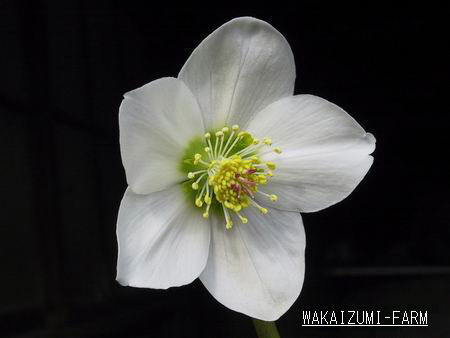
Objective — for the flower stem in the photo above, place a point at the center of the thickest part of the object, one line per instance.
(265, 329)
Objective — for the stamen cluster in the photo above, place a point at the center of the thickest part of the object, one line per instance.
(231, 174)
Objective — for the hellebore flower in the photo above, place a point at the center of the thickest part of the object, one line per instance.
(221, 161)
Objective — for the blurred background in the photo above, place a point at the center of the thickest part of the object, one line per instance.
(64, 67)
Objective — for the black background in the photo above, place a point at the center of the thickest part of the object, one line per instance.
(64, 67)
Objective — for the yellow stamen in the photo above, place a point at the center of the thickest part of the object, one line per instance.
(242, 218)
(232, 177)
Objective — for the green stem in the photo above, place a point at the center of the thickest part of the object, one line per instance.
(265, 329)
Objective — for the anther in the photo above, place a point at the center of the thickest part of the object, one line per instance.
(197, 158)
(207, 199)
(198, 202)
(272, 197)
(267, 141)
(229, 224)
(207, 135)
(235, 127)
(243, 219)
(260, 208)
(271, 165)
(277, 150)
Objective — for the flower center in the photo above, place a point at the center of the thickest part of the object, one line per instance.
(229, 171)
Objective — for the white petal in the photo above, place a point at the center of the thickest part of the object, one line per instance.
(156, 123)
(325, 152)
(163, 241)
(257, 268)
(239, 69)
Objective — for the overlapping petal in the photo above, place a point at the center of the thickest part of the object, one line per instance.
(325, 152)
(257, 268)
(239, 69)
(156, 123)
(162, 240)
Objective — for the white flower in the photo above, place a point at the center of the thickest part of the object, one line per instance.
(209, 195)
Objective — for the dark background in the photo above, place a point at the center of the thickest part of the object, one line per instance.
(64, 68)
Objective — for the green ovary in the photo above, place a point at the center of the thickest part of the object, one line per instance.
(224, 172)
